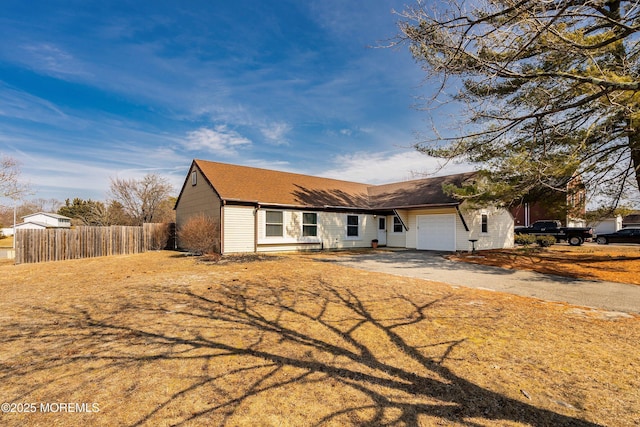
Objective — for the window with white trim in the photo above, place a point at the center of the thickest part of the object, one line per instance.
(397, 225)
(485, 223)
(309, 224)
(353, 226)
(274, 224)
(194, 178)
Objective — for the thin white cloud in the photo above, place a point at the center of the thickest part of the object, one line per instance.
(22, 105)
(220, 140)
(50, 59)
(276, 133)
(385, 167)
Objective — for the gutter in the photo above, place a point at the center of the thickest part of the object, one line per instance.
(337, 208)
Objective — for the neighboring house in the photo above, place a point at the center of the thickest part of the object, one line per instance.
(606, 225)
(567, 203)
(43, 220)
(261, 210)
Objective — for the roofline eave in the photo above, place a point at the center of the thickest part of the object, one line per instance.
(372, 209)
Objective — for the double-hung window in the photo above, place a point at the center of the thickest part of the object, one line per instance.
(274, 224)
(397, 225)
(309, 224)
(485, 223)
(353, 227)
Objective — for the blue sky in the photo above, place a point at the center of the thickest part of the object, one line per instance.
(94, 90)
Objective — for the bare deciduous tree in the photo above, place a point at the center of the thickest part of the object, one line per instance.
(10, 185)
(141, 199)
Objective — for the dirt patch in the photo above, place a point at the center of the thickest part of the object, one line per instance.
(155, 339)
(237, 258)
(611, 263)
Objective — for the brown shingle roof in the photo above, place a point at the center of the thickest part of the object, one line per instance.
(247, 184)
(235, 183)
(420, 192)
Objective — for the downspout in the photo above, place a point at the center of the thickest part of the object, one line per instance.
(255, 228)
(224, 202)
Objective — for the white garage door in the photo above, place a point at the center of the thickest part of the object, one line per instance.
(436, 232)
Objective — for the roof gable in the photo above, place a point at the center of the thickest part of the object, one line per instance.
(51, 215)
(266, 187)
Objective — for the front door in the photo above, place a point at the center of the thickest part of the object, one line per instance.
(382, 230)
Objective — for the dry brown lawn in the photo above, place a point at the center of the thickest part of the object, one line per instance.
(160, 339)
(613, 263)
(6, 242)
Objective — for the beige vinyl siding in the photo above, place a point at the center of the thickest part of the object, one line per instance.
(291, 238)
(331, 226)
(499, 235)
(499, 232)
(196, 200)
(333, 231)
(397, 240)
(280, 247)
(239, 225)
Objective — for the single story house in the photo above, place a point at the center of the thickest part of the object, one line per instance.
(260, 210)
(43, 220)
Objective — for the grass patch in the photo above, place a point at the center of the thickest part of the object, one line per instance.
(6, 242)
(156, 339)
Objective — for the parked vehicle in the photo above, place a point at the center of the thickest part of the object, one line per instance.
(574, 235)
(626, 235)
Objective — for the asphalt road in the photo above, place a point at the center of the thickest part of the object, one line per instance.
(428, 265)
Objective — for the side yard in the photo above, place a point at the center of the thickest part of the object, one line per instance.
(162, 339)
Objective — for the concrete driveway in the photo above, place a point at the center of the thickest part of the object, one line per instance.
(434, 266)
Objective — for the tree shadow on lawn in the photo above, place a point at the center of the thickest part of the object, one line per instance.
(251, 341)
(552, 264)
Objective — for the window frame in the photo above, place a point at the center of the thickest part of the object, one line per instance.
(351, 226)
(306, 225)
(484, 223)
(397, 225)
(268, 224)
(194, 178)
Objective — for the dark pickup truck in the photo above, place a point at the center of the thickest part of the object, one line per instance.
(574, 235)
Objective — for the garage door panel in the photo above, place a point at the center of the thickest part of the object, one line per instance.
(436, 232)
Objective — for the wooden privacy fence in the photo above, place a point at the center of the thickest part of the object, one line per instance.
(57, 244)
